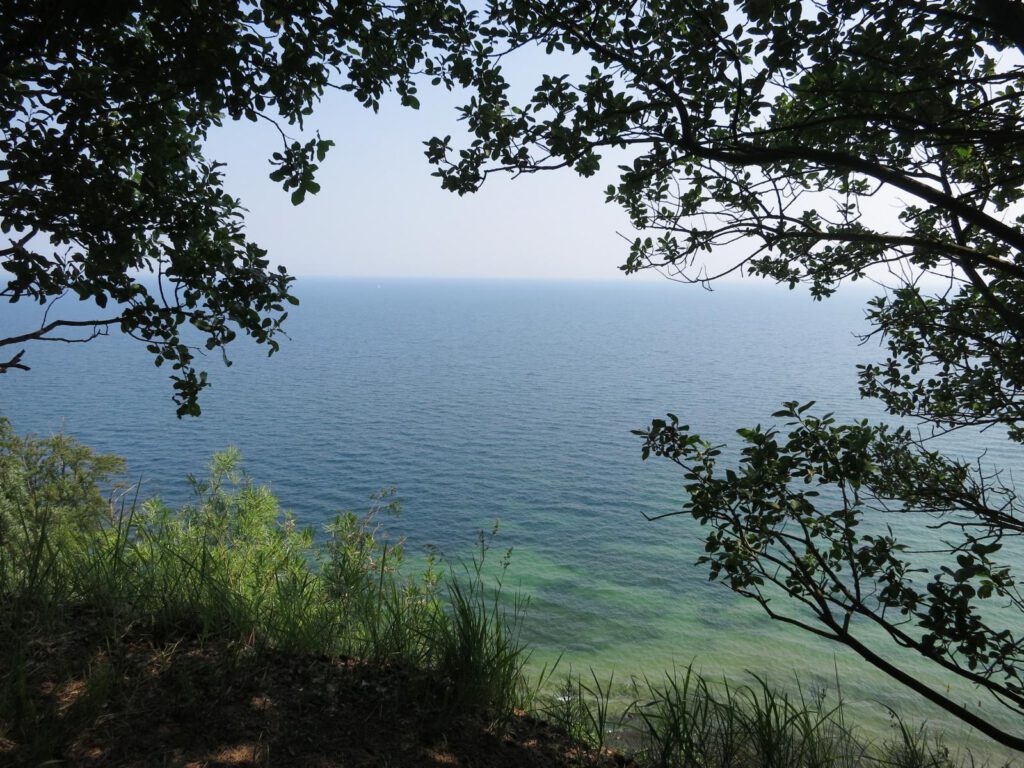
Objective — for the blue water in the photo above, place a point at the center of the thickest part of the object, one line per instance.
(514, 401)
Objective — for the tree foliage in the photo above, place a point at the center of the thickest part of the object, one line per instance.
(105, 192)
(822, 141)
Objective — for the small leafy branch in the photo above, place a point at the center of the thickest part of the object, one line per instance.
(815, 514)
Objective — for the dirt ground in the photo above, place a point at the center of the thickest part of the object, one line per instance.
(138, 700)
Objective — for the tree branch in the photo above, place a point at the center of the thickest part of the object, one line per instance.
(40, 334)
(14, 362)
(1003, 737)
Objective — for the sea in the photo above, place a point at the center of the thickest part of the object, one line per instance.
(489, 402)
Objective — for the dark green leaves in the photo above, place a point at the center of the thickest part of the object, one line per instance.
(106, 108)
(818, 512)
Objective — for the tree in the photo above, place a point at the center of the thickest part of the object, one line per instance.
(834, 140)
(105, 193)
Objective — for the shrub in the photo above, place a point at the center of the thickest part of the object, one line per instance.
(232, 564)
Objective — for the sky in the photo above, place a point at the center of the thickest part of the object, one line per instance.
(381, 214)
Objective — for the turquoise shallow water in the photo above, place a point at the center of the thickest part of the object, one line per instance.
(511, 401)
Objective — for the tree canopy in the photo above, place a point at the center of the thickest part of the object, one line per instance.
(832, 140)
(105, 192)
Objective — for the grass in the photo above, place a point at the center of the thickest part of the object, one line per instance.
(232, 569)
(480, 650)
(684, 720)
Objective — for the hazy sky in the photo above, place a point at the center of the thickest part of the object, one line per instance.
(381, 213)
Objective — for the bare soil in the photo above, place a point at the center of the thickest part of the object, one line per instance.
(87, 699)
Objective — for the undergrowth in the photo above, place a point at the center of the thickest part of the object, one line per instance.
(232, 566)
(685, 720)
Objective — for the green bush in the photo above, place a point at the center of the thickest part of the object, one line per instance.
(232, 564)
(51, 508)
